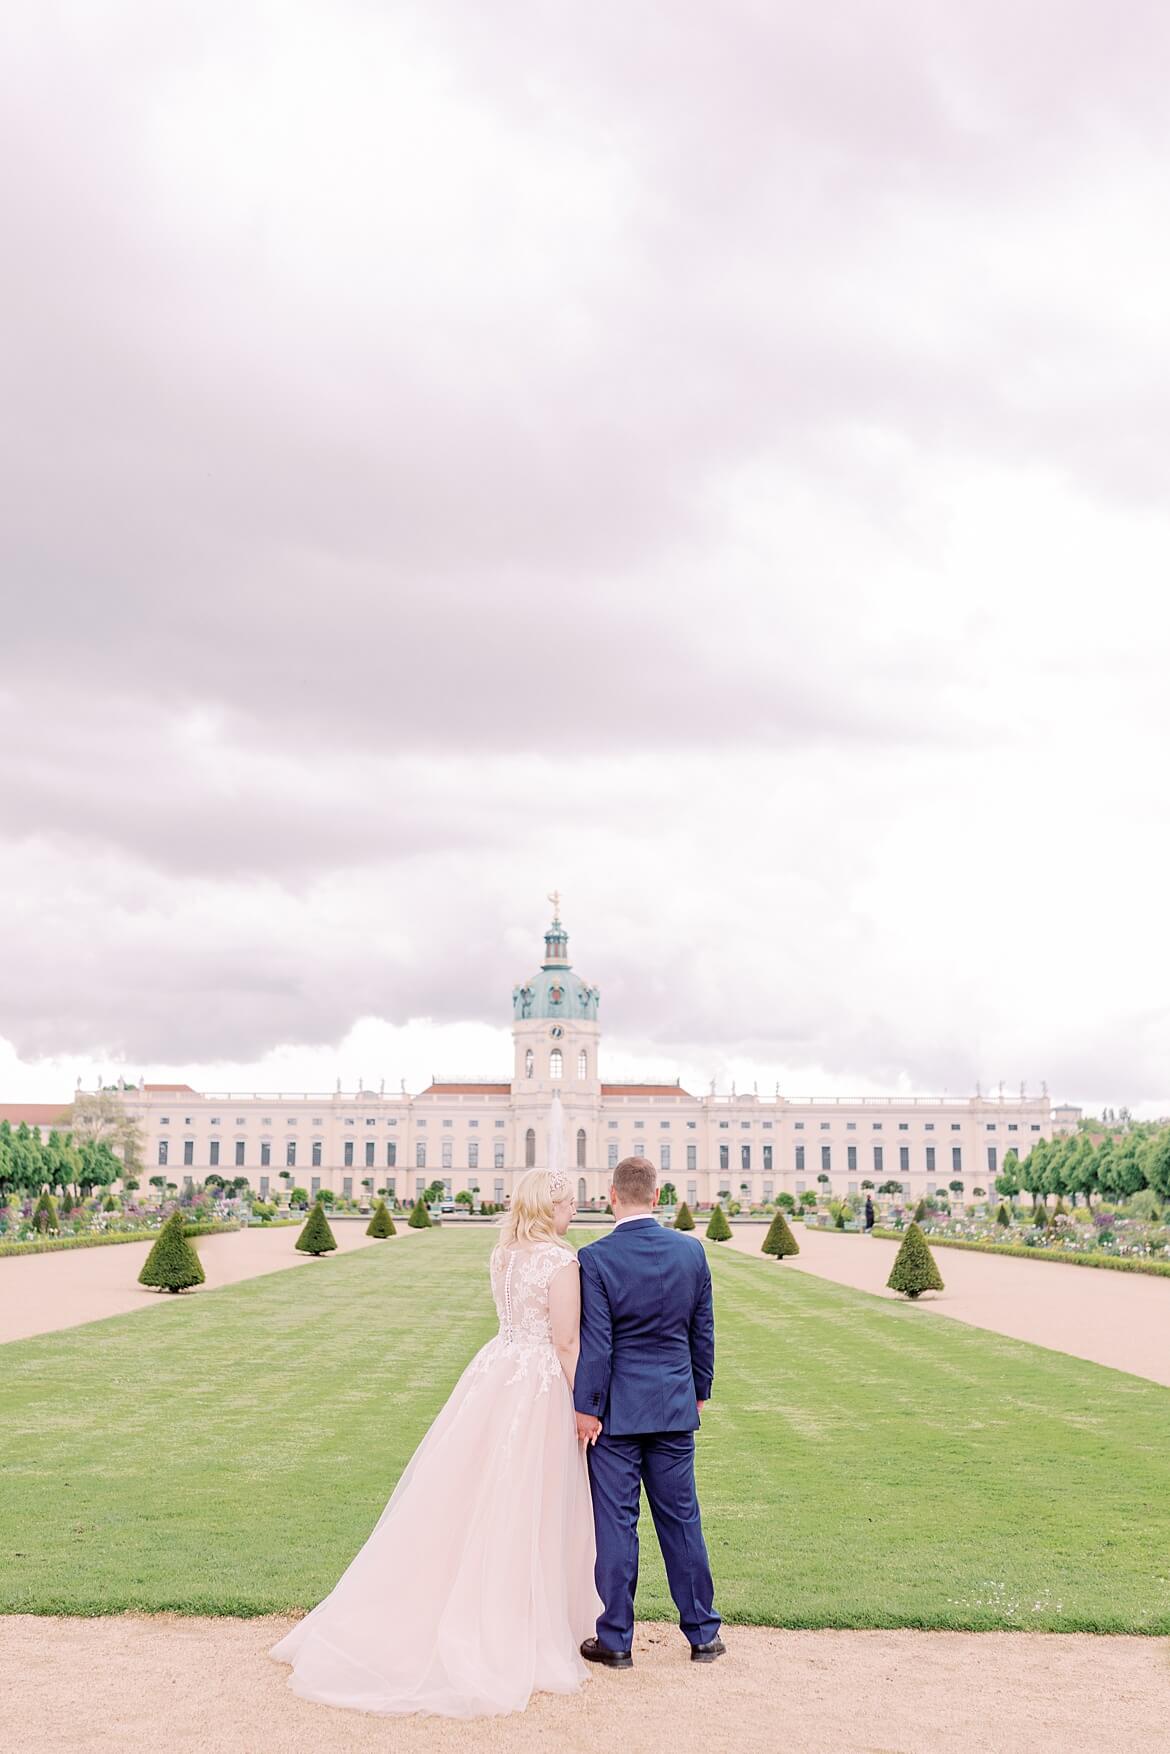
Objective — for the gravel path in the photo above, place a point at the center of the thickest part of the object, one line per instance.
(127, 1684)
(1119, 1319)
(42, 1293)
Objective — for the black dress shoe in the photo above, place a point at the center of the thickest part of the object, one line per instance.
(594, 1652)
(706, 1653)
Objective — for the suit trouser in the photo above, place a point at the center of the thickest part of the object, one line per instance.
(665, 1464)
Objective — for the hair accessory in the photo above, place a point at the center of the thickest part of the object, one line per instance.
(558, 1184)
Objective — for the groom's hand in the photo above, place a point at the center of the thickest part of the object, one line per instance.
(588, 1428)
(700, 1405)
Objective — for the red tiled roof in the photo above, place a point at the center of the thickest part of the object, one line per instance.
(37, 1114)
(467, 1090)
(170, 1089)
(645, 1090)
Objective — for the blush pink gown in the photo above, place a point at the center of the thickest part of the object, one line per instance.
(475, 1587)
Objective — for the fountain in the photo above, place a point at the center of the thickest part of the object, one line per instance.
(556, 1134)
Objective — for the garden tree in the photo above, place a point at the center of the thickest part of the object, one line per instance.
(172, 1264)
(1031, 1169)
(5, 1159)
(298, 1197)
(99, 1117)
(214, 1181)
(316, 1238)
(718, 1230)
(823, 1179)
(1001, 1215)
(158, 1182)
(66, 1203)
(435, 1193)
(27, 1160)
(1080, 1169)
(865, 1186)
(955, 1187)
(1008, 1180)
(779, 1240)
(45, 1214)
(420, 1218)
(785, 1201)
(808, 1198)
(914, 1270)
(1126, 1176)
(1039, 1212)
(381, 1224)
(110, 1204)
(683, 1219)
(1155, 1162)
(667, 1195)
(464, 1198)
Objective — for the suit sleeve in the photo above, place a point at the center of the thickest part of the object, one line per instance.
(702, 1336)
(594, 1366)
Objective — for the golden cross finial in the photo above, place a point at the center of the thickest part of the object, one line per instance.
(555, 898)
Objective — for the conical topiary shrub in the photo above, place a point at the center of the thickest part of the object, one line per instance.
(683, 1218)
(172, 1264)
(66, 1204)
(719, 1230)
(914, 1270)
(109, 1204)
(45, 1216)
(1039, 1213)
(381, 1224)
(316, 1238)
(420, 1218)
(1001, 1216)
(920, 1212)
(779, 1240)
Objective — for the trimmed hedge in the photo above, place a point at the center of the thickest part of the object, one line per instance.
(718, 1230)
(172, 1264)
(1093, 1258)
(684, 1218)
(47, 1245)
(381, 1224)
(316, 1238)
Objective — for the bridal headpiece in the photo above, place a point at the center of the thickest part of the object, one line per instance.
(558, 1184)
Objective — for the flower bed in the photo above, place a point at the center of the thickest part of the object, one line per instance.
(44, 1245)
(1072, 1255)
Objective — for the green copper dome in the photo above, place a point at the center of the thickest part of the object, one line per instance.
(555, 991)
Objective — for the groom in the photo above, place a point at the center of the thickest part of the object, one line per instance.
(643, 1378)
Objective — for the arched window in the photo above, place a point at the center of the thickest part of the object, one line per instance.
(556, 1063)
(528, 1062)
(581, 1191)
(582, 1064)
(580, 1147)
(530, 1149)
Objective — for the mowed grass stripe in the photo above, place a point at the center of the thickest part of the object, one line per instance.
(863, 1463)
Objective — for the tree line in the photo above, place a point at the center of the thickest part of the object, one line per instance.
(1117, 1167)
(30, 1164)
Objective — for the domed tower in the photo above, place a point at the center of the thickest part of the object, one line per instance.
(556, 1036)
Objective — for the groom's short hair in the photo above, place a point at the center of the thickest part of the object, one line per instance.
(634, 1181)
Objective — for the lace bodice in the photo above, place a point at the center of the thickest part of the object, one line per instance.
(520, 1281)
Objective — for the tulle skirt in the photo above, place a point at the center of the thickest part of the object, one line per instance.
(475, 1587)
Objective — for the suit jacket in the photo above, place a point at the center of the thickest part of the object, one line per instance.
(647, 1330)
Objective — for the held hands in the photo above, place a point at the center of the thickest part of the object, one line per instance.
(588, 1428)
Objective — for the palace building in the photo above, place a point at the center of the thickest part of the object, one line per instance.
(479, 1134)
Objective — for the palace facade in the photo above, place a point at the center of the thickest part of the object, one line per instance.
(481, 1134)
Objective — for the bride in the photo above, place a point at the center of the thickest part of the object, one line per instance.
(475, 1587)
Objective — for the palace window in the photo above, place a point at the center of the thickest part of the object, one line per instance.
(664, 1154)
(215, 1154)
(530, 1149)
(851, 1156)
(903, 1126)
(290, 1154)
(347, 1188)
(447, 1143)
(745, 1157)
(316, 1153)
(692, 1157)
(369, 1153)
(582, 1066)
(800, 1157)
(879, 1158)
(826, 1157)
(556, 1063)
(315, 1186)
(581, 1194)
(473, 1154)
(529, 1062)
(265, 1155)
(420, 1155)
(799, 1125)
(580, 1147)
(724, 1157)
(349, 1154)
(903, 1158)
(498, 1154)
(930, 1160)
(163, 1147)
(956, 1158)
(188, 1151)
(239, 1153)
(263, 1187)
(611, 1155)
(767, 1154)
(991, 1158)
(391, 1153)
(851, 1126)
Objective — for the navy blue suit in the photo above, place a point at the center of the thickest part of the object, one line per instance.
(647, 1356)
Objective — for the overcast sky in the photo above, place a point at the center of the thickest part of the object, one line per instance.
(710, 459)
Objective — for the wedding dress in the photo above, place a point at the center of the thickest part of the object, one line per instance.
(475, 1587)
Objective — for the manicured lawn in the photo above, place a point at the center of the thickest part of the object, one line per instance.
(863, 1464)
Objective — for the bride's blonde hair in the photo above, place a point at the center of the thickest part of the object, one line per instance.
(530, 1216)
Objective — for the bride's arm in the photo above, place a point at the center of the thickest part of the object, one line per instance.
(564, 1309)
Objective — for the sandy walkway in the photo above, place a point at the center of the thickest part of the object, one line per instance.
(41, 1293)
(109, 1686)
(1119, 1319)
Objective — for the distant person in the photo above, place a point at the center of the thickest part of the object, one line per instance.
(868, 1212)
